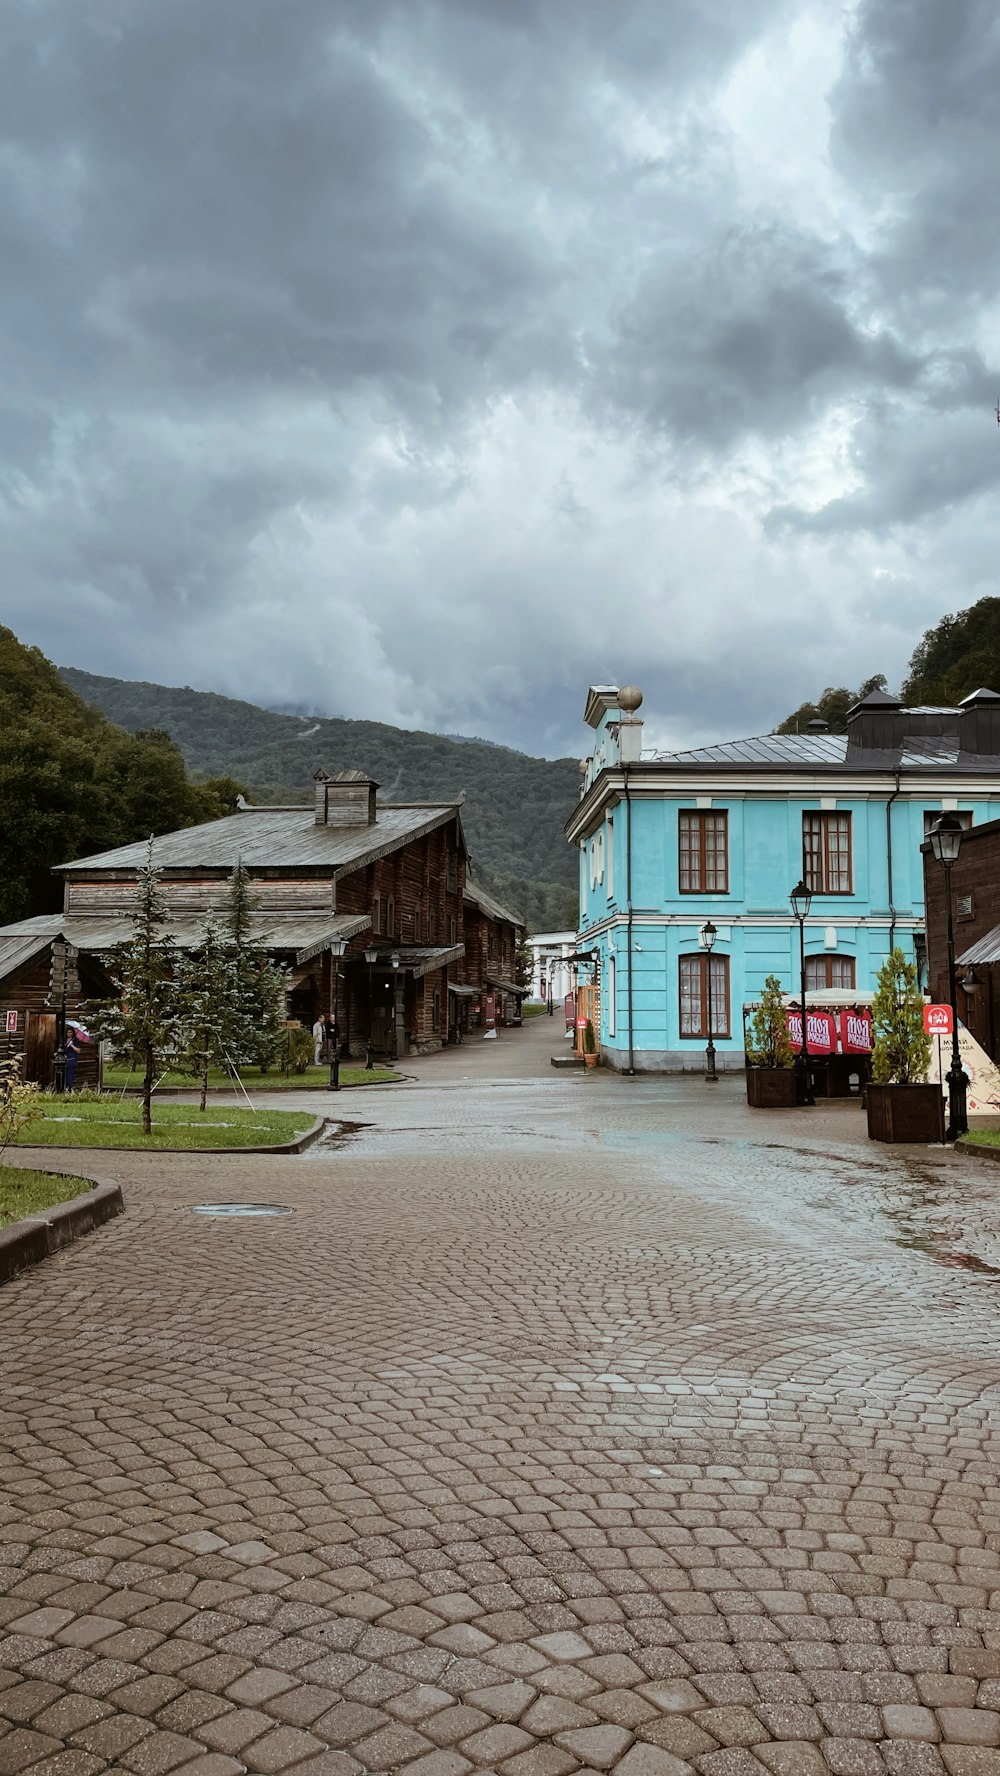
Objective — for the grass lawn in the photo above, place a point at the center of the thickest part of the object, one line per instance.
(983, 1137)
(25, 1193)
(110, 1122)
(314, 1079)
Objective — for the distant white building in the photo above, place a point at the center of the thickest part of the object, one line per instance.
(551, 975)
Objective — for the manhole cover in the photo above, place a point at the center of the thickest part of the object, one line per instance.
(239, 1209)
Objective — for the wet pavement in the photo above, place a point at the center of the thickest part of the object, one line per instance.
(567, 1422)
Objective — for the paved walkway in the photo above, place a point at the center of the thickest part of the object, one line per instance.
(567, 1424)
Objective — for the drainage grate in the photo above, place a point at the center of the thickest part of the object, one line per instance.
(239, 1209)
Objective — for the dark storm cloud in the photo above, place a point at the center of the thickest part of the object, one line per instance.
(754, 333)
(916, 133)
(421, 328)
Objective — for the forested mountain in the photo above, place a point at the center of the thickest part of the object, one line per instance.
(515, 806)
(71, 782)
(959, 655)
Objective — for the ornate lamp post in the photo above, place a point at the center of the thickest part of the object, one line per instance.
(394, 960)
(801, 898)
(337, 947)
(370, 956)
(946, 842)
(708, 937)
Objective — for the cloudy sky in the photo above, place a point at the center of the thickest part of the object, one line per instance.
(425, 360)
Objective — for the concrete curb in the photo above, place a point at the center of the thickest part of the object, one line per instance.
(27, 1242)
(976, 1151)
(228, 1091)
(299, 1145)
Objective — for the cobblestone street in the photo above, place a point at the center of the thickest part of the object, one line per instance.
(567, 1423)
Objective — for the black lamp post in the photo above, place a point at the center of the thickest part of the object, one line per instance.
(370, 955)
(946, 841)
(708, 937)
(337, 947)
(801, 898)
(394, 960)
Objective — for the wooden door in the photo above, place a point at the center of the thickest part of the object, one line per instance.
(39, 1046)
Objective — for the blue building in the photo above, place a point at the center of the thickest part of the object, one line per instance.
(668, 841)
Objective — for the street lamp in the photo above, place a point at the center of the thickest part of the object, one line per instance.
(370, 956)
(801, 898)
(708, 937)
(337, 947)
(394, 962)
(946, 841)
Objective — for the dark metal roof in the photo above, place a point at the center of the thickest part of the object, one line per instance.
(276, 838)
(418, 959)
(833, 752)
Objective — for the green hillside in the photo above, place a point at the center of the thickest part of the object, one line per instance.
(515, 806)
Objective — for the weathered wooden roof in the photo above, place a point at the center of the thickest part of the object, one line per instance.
(276, 838)
(302, 935)
(18, 947)
(481, 898)
(417, 959)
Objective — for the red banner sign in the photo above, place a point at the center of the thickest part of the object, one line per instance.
(938, 1020)
(821, 1031)
(856, 1032)
(11, 1023)
(490, 1011)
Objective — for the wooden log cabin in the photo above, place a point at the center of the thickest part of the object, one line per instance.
(385, 879)
(29, 1012)
(492, 934)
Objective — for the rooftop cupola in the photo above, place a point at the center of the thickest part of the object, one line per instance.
(874, 723)
(348, 799)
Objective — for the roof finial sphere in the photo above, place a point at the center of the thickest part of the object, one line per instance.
(629, 698)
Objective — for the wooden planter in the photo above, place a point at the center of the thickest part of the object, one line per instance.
(913, 1113)
(772, 1088)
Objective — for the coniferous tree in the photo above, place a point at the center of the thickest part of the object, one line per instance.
(258, 983)
(211, 1008)
(768, 1042)
(901, 1053)
(144, 1021)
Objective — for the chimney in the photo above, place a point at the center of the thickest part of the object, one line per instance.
(348, 799)
(979, 724)
(630, 725)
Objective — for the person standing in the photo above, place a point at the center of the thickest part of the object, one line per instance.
(72, 1055)
(318, 1036)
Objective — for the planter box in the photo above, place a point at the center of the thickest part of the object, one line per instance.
(773, 1088)
(913, 1113)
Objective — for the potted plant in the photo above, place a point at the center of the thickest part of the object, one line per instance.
(772, 1077)
(589, 1046)
(901, 1105)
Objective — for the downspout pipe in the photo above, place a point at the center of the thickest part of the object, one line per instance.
(628, 908)
(888, 860)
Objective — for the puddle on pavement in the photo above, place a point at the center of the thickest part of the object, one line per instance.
(253, 1209)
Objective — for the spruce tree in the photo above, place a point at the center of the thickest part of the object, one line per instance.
(258, 983)
(144, 1022)
(769, 1044)
(210, 1007)
(901, 1054)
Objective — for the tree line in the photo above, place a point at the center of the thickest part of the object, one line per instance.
(959, 655)
(72, 783)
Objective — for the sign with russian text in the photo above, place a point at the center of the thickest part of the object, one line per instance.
(938, 1020)
(821, 1031)
(490, 1011)
(856, 1032)
(12, 1023)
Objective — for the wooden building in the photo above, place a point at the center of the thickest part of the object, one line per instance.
(491, 934)
(975, 894)
(383, 878)
(29, 1012)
